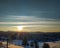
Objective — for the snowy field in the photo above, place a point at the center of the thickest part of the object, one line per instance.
(10, 45)
(51, 44)
(18, 44)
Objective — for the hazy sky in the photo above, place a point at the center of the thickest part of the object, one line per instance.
(34, 15)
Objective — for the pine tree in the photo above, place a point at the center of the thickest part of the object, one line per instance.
(46, 45)
(25, 42)
(36, 44)
(32, 44)
(1, 44)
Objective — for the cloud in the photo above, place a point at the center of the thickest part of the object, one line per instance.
(30, 21)
(51, 23)
(25, 19)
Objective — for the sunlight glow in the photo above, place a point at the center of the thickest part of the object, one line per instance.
(20, 28)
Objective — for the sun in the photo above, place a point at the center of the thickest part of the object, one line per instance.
(20, 28)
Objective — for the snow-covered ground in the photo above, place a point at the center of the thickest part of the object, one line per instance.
(18, 44)
(52, 44)
(10, 45)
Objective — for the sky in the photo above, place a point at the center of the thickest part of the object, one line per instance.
(33, 15)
